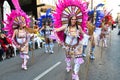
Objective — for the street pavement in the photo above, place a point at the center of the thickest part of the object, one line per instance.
(44, 66)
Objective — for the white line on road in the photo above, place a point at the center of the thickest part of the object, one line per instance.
(45, 72)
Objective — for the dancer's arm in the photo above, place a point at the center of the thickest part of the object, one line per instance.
(31, 30)
(43, 27)
(80, 30)
(13, 39)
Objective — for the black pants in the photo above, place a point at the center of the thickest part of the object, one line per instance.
(119, 32)
(9, 52)
(1, 54)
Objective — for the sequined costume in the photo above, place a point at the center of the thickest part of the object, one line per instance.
(69, 22)
(17, 27)
(46, 24)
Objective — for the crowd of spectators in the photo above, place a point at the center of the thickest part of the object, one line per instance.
(9, 50)
(6, 48)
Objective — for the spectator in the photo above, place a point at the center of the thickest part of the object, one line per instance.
(36, 38)
(6, 45)
(1, 52)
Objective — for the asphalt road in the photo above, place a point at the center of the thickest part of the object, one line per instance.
(43, 66)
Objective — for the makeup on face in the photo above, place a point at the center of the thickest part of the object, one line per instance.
(73, 20)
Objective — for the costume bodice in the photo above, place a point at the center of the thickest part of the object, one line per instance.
(48, 30)
(71, 36)
(21, 36)
(73, 32)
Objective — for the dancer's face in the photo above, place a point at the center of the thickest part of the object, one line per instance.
(22, 25)
(73, 20)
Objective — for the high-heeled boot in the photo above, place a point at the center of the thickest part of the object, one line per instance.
(68, 62)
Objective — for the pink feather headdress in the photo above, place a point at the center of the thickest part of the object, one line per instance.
(16, 17)
(67, 8)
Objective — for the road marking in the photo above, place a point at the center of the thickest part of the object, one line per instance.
(45, 72)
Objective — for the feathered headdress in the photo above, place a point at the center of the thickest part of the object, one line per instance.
(99, 5)
(65, 9)
(97, 15)
(45, 18)
(108, 19)
(16, 17)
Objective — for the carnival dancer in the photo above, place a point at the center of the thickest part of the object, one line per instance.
(69, 26)
(105, 30)
(47, 26)
(21, 37)
(17, 28)
(89, 37)
(48, 41)
(91, 29)
(72, 45)
(106, 25)
(36, 37)
(93, 23)
(103, 35)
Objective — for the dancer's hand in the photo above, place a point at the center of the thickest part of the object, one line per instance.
(22, 49)
(7, 46)
(54, 30)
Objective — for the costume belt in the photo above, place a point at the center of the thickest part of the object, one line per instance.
(74, 55)
(23, 54)
(71, 46)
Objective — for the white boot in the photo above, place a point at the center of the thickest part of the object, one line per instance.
(75, 77)
(24, 67)
(25, 64)
(68, 68)
(105, 42)
(92, 57)
(77, 62)
(68, 62)
(51, 48)
(46, 48)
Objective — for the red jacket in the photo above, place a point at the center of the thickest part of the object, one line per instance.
(5, 42)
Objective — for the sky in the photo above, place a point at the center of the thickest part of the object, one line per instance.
(110, 5)
(113, 4)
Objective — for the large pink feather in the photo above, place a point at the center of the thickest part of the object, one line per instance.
(15, 13)
(16, 4)
(62, 4)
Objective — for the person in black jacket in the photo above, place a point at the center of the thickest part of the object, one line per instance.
(1, 53)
